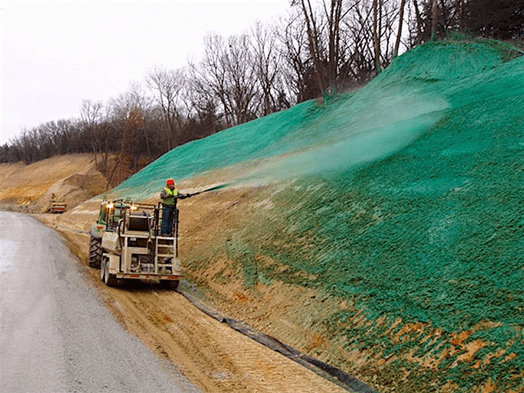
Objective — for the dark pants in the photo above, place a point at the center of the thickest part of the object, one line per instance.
(168, 213)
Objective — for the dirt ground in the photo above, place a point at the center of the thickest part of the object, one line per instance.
(213, 355)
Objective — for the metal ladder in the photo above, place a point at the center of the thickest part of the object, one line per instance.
(164, 252)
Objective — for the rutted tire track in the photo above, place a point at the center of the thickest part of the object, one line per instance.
(211, 354)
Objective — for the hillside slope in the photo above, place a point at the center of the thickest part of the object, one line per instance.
(380, 231)
(71, 178)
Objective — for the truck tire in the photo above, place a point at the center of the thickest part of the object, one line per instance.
(109, 279)
(169, 284)
(95, 252)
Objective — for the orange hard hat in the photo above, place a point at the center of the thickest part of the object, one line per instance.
(170, 181)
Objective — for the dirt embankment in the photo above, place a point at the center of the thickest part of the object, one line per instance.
(70, 179)
(214, 356)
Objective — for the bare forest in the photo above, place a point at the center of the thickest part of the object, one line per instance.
(319, 48)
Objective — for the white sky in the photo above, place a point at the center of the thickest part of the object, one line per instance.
(54, 54)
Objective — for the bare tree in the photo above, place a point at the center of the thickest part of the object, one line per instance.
(357, 41)
(267, 64)
(314, 39)
(376, 36)
(140, 114)
(334, 21)
(419, 24)
(297, 69)
(460, 10)
(129, 116)
(227, 72)
(435, 20)
(242, 89)
(203, 103)
(342, 34)
(319, 45)
(91, 117)
(400, 24)
(168, 87)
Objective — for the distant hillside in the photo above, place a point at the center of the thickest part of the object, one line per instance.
(400, 206)
(71, 178)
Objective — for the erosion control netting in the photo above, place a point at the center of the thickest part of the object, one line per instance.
(406, 198)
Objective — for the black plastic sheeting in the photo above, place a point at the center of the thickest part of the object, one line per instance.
(331, 373)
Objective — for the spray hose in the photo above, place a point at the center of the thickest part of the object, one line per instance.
(208, 189)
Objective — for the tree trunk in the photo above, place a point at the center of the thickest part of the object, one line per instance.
(419, 23)
(312, 33)
(376, 37)
(400, 23)
(460, 14)
(435, 21)
(334, 41)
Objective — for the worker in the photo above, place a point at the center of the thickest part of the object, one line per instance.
(169, 196)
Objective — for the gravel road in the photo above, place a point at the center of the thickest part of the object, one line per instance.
(56, 335)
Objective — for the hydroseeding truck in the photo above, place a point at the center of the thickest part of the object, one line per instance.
(126, 244)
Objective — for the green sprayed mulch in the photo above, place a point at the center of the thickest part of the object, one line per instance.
(406, 198)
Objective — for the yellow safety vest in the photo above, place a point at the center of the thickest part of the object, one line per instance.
(170, 201)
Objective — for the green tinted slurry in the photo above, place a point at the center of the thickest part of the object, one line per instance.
(406, 198)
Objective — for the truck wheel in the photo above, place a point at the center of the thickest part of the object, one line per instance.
(109, 279)
(95, 252)
(169, 284)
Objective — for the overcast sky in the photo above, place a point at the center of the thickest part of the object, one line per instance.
(54, 54)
